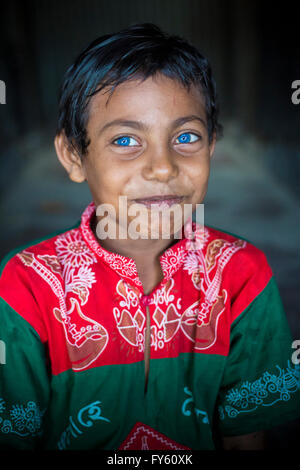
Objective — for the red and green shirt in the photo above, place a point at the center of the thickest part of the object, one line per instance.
(72, 336)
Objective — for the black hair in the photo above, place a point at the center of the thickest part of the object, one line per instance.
(139, 51)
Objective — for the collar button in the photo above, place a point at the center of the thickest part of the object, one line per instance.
(145, 300)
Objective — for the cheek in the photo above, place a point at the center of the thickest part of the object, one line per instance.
(198, 174)
(198, 182)
(105, 178)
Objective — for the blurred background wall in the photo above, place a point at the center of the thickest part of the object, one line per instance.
(252, 46)
(254, 188)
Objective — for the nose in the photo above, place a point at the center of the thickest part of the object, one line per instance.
(160, 164)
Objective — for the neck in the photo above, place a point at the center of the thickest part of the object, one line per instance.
(138, 250)
(144, 252)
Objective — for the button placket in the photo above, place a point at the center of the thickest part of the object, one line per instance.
(145, 302)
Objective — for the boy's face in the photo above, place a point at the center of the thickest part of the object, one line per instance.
(148, 139)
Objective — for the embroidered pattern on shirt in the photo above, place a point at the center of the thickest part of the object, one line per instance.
(125, 267)
(25, 420)
(131, 323)
(143, 437)
(188, 412)
(265, 391)
(199, 321)
(72, 250)
(86, 339)
(85, 419)
(76, 257)
(171, 260)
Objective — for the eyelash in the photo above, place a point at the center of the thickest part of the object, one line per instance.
(130, 137)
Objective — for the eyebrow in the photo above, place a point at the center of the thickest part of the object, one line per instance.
(139, 125)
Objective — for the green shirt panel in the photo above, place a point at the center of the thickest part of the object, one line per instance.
(24, 382)
(261, 385)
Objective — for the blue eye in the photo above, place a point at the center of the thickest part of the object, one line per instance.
(125, 141)
(187, 138)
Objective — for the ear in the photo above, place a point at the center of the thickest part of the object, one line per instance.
(212, 144)
(69, 158)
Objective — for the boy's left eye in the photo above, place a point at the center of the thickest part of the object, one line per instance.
(187, 138)
(125, 141)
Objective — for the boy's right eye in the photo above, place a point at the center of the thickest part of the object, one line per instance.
(125, 141)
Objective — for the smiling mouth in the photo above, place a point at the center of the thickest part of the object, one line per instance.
(158, 201)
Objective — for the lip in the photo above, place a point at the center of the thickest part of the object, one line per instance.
(168, 200)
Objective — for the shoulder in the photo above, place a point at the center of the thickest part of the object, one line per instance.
(23, 272)
(242, 267)
(17, 259)
(240, 251)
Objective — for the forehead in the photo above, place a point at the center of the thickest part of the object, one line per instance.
(156, 97)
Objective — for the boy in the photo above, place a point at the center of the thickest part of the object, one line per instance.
(141, 342)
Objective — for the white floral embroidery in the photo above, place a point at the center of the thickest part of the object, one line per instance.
(192, 263)
(171, 260)
(81, 282)
(72, 250)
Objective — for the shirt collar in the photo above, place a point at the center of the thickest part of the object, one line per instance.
(171, 260)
